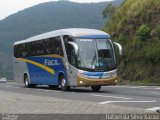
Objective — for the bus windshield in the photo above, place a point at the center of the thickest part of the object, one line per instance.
(95, 54)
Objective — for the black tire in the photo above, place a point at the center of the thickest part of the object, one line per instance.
(63, 84)
(26, 82)
(96, 88)
(53, 86)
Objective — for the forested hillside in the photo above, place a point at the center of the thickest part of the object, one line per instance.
(136, 25)
(43, 18)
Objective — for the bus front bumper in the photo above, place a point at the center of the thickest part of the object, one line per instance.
(83, 81)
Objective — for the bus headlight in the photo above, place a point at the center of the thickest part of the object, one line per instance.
(81, 82)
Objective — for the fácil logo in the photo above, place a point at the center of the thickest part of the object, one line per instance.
(50, 62)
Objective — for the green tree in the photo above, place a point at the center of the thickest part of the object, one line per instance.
(109, 10)
(143, 32)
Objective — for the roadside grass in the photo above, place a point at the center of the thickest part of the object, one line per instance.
(145, 82)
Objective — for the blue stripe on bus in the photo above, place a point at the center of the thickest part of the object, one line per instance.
(94, 73)
(95, 37)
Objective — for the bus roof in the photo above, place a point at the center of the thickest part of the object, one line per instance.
(75, 32)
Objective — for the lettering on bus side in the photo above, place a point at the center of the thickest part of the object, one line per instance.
(50, 62)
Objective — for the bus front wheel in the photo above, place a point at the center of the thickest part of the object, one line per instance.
(96, 88)
(63, 84)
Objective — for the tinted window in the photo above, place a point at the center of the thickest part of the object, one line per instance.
(36, 48)
(20, 50)
(29, 49)
(53, 46)
(16, 51)
(69, 50)
(41, 47)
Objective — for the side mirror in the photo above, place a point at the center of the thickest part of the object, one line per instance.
(119, 47)
(75, 46)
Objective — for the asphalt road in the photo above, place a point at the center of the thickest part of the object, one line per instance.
(143, 97)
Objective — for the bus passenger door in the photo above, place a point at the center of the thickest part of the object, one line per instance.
(72, 68)
(72, 72)
(69, 50)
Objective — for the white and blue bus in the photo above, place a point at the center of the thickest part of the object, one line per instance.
(67, 58)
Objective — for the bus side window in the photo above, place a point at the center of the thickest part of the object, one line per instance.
(59, 49)
(72, 56)
(55, 46)
(29, 49)
(19, 51)
(16, 51)
(46, 49)
(40, 47)
(23, 50)
(52, 46)
(37, 48)
(33, 45)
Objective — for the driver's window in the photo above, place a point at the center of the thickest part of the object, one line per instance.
(72, 57)
(69, 50)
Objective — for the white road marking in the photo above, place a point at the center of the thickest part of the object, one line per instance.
(158, 93)
(107, 102)
(153, 109)
(144, 87)
(8, 86)
(110, 96)
(157, 88)
(135, 87)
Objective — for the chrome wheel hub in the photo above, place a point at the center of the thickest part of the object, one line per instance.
(63, 82)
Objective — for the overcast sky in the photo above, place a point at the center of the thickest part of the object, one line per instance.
(8, 7)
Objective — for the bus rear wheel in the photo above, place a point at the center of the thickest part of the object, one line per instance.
(63, 84)
(96, 88)
(26, 82)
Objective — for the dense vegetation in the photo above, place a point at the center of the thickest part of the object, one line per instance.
(136, 25)
(43, 18)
